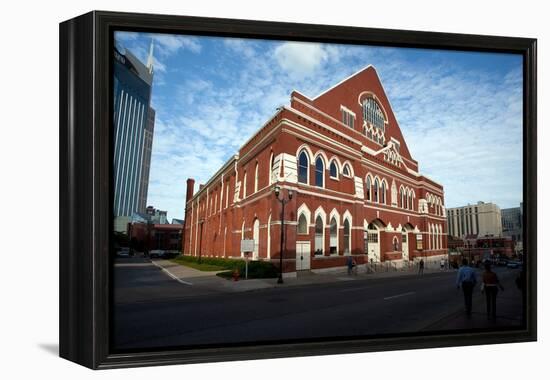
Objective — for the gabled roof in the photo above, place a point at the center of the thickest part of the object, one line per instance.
(347, 93)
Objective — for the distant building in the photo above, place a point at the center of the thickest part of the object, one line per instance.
(178, 221)
(133, 121)
(148, 237)
(147, 149)
(156, 216)
(482, 219)
(151, 230)
(488, 248)
(512, 223)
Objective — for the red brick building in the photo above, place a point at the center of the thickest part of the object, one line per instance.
(149, 236)
(356, 188)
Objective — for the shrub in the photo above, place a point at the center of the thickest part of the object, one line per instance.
(256, 269)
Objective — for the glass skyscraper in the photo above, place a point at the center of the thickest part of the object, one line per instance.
(134, 122)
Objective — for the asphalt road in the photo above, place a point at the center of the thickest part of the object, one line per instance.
(152, 310)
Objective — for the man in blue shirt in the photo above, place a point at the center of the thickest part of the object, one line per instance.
(466, 278)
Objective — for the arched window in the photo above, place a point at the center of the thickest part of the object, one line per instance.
(302, 224)
(333, 236)
(347, 249)
(375, 192)
(319, 172)
(303, 167)
(346, 171)
(373, 114)
(244, 185)
(256, 237)
(319, 235)
(410, 201)
(369, 185)
(402, 197)
(383, 197)
(395, 244)
(333, 170)
(256, 179)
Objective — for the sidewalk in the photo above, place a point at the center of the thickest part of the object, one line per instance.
(197, 278)
(509, 311)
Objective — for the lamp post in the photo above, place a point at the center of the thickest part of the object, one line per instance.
(283, 201)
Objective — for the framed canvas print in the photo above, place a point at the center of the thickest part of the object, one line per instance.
(236, 190)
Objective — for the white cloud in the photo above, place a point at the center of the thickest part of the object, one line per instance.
(169, 44)
(463, 127)
(300, 59)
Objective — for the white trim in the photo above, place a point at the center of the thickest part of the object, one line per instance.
(326, 126)
(268, 254)
(319, 212)
(372, 95)
(349, 218)
(303, 209)
(295, 129)
(346, 109)
(351, 171)
(256, 177)
(303, 148)
(334, 214)
(322, 155)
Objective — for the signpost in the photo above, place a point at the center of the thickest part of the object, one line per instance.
(247, 246)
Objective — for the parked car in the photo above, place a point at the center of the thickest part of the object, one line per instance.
(514, 264)
(123, 252)
(156, 254)
(170, 254)
(502, 262)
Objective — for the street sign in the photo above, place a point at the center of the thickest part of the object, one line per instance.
(247, 245)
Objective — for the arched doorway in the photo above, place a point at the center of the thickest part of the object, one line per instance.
(373, 240)
(256, 237)
(405, 239)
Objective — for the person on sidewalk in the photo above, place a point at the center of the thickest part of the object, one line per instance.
(442, 265)
(349, 263)
(421, 267)
(466, 279)
(490, 286)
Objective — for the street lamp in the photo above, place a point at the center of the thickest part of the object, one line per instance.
(277, 191)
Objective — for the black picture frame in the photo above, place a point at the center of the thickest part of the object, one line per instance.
(85, 183)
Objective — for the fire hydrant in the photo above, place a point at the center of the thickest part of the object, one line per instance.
(236, 275)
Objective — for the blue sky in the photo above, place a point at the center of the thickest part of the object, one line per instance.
(460, 112)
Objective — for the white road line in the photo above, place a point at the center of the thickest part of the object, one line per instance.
(355, 289)
(171, 275)
(399, 295)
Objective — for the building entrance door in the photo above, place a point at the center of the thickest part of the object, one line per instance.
(405, 245)
(373, 243)
(303, 253)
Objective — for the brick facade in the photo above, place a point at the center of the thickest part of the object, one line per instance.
(239, 202)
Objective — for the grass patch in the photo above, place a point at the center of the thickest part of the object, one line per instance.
(203, 266)
(256, 269)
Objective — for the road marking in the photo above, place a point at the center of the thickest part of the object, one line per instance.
(399, 295)
(170, 274)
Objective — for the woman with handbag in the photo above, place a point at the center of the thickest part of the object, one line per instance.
(490, 286)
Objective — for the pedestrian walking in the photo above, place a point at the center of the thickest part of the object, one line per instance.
(466, 279)
(421, 267)
(349, 263)
(490, 287)
(442, 264)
